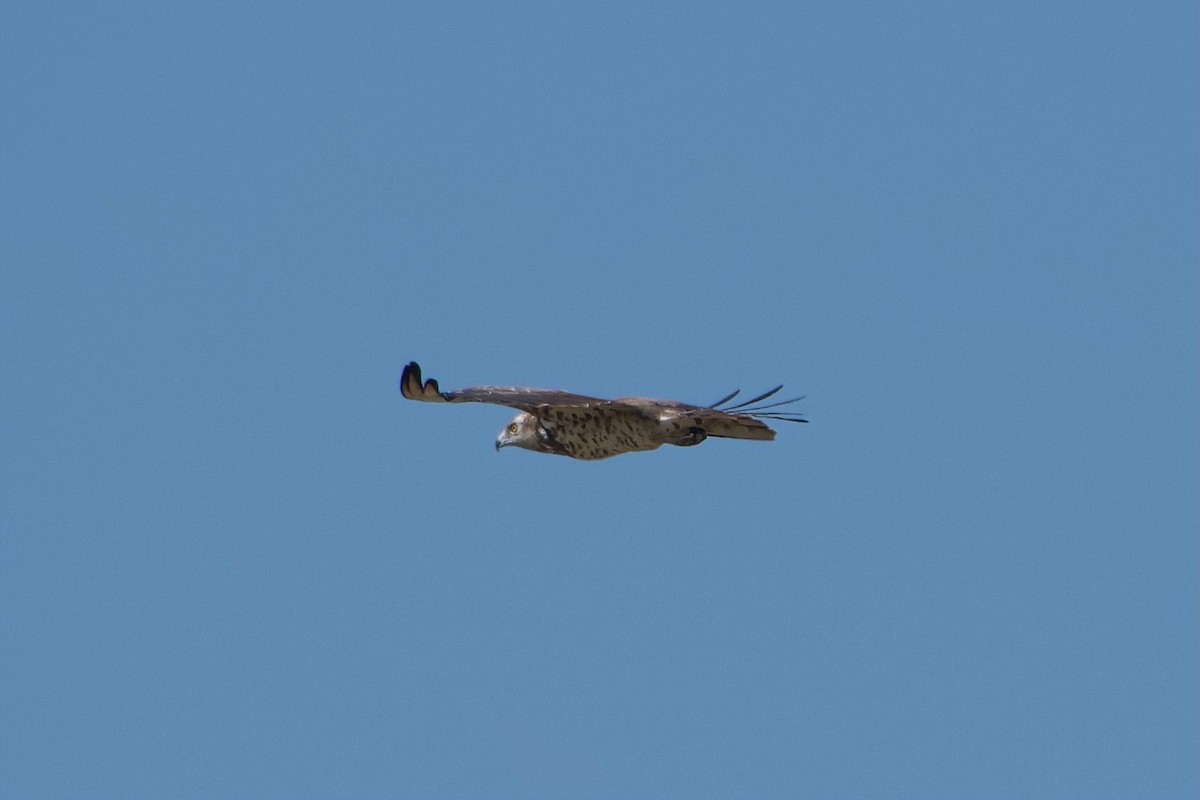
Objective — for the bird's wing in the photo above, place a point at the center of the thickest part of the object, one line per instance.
(741, 421)
(412, 387)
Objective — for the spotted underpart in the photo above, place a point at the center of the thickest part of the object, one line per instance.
(590, 428)
(596, 432)
(591, 432)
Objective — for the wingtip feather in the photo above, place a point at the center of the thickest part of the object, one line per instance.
(412, 387)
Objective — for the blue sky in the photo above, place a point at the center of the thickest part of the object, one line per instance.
(235, 563)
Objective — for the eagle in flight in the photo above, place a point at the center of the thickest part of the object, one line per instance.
(590, 428)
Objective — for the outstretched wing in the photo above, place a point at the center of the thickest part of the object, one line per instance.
(523, 399)
(757, 409)
(741, 421)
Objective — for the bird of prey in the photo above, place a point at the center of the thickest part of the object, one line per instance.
(590, 428)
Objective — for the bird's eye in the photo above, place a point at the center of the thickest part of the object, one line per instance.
(512, 428)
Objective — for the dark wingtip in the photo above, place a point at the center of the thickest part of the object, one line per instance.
(410, 381)
(761, 397)
(413, 388)
(726, 398)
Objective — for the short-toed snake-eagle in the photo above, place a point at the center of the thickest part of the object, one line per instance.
(566, 424)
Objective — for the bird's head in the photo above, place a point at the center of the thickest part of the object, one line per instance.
(521, 432)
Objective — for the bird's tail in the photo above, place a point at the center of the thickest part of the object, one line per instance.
(734, 426)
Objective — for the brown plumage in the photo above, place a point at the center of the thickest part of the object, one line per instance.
(575, 425)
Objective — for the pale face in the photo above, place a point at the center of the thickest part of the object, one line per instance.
(521, 432)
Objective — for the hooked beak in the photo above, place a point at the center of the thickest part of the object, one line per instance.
(500, 443)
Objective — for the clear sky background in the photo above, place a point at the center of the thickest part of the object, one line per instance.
(235, 563)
